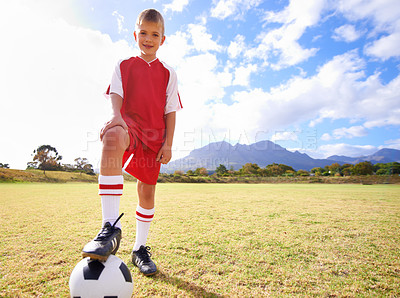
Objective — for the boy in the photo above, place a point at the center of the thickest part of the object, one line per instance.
(145, 98)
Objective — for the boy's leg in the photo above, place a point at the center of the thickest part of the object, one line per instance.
(144, 216)
(115, 141)
(144, 212)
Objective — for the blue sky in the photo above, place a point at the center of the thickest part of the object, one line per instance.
(317, 76)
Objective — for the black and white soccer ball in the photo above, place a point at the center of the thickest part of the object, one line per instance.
(95, 279)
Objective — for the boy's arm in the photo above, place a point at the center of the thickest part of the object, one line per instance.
(165, 153)
(116, 118)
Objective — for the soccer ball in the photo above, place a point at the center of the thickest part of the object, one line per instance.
(95, 279)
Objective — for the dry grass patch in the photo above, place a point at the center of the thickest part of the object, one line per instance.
(212, 240)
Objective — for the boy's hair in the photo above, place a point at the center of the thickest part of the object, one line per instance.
(151, 15)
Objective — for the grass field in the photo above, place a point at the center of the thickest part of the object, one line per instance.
(212, 240)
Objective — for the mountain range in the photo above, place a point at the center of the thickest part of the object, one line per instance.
(264, 153)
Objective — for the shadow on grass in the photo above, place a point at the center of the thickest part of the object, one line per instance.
(189, 287)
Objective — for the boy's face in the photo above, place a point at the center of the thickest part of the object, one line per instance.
(149, 37)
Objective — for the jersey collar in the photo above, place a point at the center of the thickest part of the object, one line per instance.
(148, 62)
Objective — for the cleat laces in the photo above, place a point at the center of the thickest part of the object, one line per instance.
(144, 254)
(107, 230)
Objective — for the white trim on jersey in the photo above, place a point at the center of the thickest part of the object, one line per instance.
(116, 80)
(173, 102)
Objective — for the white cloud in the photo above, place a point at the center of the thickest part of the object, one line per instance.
(120, 22)
(304, 13)
(285, 136)
(176, 48)
(347, 33)
(385, 47)
(53, 78)
(202, 41)
(316, 37)
(236, 47)
(200, 79)
(326, 137)
(339, 90)
(283, 43)
(346, 150)
(176, 5)
(344, 132)
(242, 74)
(225, 8)
(392, 144)
(351, 95)
(385, 17)
(379, 104)
(383, 12)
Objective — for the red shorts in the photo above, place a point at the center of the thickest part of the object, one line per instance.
(143, 164)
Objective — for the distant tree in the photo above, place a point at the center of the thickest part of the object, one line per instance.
(274, 170)
(178, 173)
(381, 172)
(82, 165)
(221, 170)
(289, 173)
(31, 165)
(379, 166)
(317, 171)
(286, 168)
(88, 169)
(190, 173)
(46, 158)
(334, 168)
(327, 171)
(278, 169)
(68, 168)
(262, 172)
(4, 165)
(231, 171)
(364, 168)
(250, 169)
(302, 173)
(391, 168)
(394, 168)
(201, 172)
(347, 169)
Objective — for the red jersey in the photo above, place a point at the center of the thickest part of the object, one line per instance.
(149, 91)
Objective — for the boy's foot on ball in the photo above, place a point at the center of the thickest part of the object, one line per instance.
(141, 259)
(105, 243)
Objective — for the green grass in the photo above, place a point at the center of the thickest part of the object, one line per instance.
(212, 240)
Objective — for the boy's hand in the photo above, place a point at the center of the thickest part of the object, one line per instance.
(164, 155)
(115, 121)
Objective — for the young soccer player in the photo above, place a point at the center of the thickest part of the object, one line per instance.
(144, 97)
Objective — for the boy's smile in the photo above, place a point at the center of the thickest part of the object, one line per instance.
(149, 36)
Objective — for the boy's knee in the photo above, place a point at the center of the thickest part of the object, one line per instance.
(146, 189)
(116, 138)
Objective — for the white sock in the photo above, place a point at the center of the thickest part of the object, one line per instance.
(110, 209)
(144, 218)
(110, 190)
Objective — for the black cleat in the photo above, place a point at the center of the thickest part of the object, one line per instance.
(141, 259)
(106, 243)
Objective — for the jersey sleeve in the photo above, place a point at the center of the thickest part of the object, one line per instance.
(116, 82)
(173, 102)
